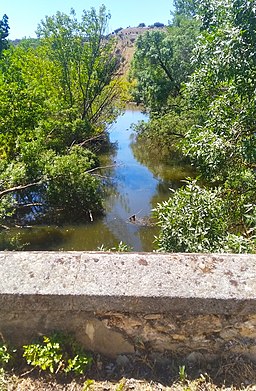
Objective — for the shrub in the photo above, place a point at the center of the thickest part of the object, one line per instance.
(57, 353)
(197, 219)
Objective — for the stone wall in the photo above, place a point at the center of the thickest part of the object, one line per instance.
(197, 306)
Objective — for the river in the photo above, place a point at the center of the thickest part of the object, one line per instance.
(141, 179)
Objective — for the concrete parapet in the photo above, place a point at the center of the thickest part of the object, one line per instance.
(114, 303)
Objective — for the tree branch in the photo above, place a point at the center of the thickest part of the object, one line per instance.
(30, 205)
(99, 168)
(17, 188)
(98, 136)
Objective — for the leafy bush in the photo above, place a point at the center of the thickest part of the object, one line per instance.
(57, 353)
(196, 219)
(65, 187)
(71, 189)
(47, 355)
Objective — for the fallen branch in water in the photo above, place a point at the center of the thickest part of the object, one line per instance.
(4, 226)
(17, 188)
(99, 168)
(88, 140)
(30, 205)
(103, 176)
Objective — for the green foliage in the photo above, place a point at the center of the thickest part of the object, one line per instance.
(221, 142)
(70, 186)
(121, 247)
(65, 185)
(85, 64)
(5, 356)
(28, 43)
(78, 364)
(88, 385)
(47, 355)
(26, 97)
(162, 62)
(7, 207)
(120, 386)
(167, 130)
(182, 373)
(151, 68)
(196, 219)
(185, 7)
(57, 353)
(56, 92)
(65, 85)
(223, 88)
(10, 241)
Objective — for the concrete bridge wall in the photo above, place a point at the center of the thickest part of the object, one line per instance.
(194, 305)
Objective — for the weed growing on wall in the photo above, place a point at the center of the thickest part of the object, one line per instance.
(57, 353)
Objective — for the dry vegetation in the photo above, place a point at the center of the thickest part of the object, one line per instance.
(142, 374)
(44, 384)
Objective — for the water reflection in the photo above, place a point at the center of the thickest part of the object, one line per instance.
(167, 167)
(139, 179)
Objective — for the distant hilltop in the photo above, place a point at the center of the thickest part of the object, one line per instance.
(130, 33)
(126, 38)
(134, 31)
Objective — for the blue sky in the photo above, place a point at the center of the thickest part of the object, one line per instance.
(24, 15)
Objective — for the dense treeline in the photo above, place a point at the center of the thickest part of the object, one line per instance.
(58, 93)
(202, 101)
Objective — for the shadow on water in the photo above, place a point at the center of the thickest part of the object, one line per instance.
(140, 178)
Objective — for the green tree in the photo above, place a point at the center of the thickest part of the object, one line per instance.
(55, 96)
(4, 32)
(222, 143)
(26, 97)
(86, 65)
(223, 88)
(162, 62)
(151, 68)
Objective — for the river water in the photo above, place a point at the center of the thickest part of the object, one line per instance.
(141, 178)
